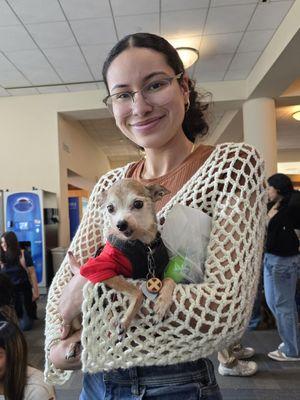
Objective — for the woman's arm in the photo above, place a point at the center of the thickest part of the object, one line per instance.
(34, 283)
(83, 246)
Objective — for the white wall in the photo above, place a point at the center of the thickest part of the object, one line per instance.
(29, 138)
(79, 153)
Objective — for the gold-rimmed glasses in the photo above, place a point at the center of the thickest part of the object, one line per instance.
(156, 93)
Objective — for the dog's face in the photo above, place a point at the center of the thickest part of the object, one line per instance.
(130, 207)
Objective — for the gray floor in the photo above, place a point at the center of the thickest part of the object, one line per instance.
(274, 380)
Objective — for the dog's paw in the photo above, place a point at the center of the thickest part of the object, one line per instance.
(161, 307)
(121, 332)
(74, 351)
(71, 352)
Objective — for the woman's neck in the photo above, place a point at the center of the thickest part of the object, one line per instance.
(160, 161)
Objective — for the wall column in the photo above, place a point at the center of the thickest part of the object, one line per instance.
(259, 121)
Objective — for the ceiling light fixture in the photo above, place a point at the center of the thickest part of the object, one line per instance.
(188, 55)
(296, 115)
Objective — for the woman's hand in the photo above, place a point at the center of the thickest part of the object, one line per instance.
(71, 298)
(273, 211)
(59, 351)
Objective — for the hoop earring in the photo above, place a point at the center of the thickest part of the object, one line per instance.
(187, 106)
(142, 153)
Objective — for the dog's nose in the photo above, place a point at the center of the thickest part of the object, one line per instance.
(122, 225)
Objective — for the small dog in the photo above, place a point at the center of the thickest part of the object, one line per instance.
(134, 249)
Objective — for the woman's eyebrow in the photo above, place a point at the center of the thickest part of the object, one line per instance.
(146, 78)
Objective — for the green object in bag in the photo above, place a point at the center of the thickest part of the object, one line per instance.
(174, 269)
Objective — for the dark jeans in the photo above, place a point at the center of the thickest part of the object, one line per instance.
(190, 381)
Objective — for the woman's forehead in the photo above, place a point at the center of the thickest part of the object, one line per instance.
(134, 64)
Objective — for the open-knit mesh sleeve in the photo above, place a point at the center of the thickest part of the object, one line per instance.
(204, 317)
(84, 245)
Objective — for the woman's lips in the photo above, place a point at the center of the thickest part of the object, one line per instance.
(143, 126)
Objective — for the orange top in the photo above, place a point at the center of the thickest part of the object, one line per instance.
(177, 177)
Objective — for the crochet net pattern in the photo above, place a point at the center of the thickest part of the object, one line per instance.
(204, 317)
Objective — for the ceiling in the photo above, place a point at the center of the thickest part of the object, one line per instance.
(117, 148)
(49, 46)
(288, 128)
(48, 42)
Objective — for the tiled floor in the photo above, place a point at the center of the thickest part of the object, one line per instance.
(274, 380)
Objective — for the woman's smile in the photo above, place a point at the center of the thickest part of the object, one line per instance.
(146, 125)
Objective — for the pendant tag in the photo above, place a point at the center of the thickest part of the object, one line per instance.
(149, 295)
(154, 285)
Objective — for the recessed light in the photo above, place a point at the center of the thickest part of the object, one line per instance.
(188, 55)
(296, 115)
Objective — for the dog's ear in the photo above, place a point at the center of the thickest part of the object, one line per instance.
(157, 191)
(101, 198)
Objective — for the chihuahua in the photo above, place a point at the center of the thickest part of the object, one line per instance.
(134, 249)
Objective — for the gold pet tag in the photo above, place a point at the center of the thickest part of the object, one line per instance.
(150, 296)
(154, 285)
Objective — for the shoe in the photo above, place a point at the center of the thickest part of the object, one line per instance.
(242, 368)
(279, 355)
(243, 353)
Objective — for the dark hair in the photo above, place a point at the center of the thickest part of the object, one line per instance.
(12, 255)
(13, 342)
(284, 186)
(194, 123)
(282, 183)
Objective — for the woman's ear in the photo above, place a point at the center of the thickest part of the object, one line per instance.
(185, 87)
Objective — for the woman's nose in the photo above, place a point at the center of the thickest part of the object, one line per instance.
(139, 105)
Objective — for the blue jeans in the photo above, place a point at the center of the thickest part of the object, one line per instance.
(280, 281)
(191, 381)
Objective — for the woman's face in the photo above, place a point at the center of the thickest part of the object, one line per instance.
(273, 194)
(2, 363)
(148, 126)
(3, 244)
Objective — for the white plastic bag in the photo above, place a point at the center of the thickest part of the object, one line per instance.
(186, 235)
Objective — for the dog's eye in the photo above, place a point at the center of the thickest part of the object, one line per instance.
(110, 208)
(138, 204)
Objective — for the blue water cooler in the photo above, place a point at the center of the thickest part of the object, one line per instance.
(33, 216)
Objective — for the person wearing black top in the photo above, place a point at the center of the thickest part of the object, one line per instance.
(7, 309)
(18, 266)
(282, 264)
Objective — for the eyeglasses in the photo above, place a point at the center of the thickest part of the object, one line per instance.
(155, 93)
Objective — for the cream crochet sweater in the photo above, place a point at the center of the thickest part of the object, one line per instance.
(204, 317)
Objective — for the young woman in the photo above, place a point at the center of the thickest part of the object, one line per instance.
(18, 266)
(18, 381)
(282, 264)
(155, 105)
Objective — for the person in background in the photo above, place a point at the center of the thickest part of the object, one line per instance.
(282, 264)
(18, 266)
(18, 381)
(232, 361)
(7, 308)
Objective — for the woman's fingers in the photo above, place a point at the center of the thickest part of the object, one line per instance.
(65, 330)
(74, 264)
